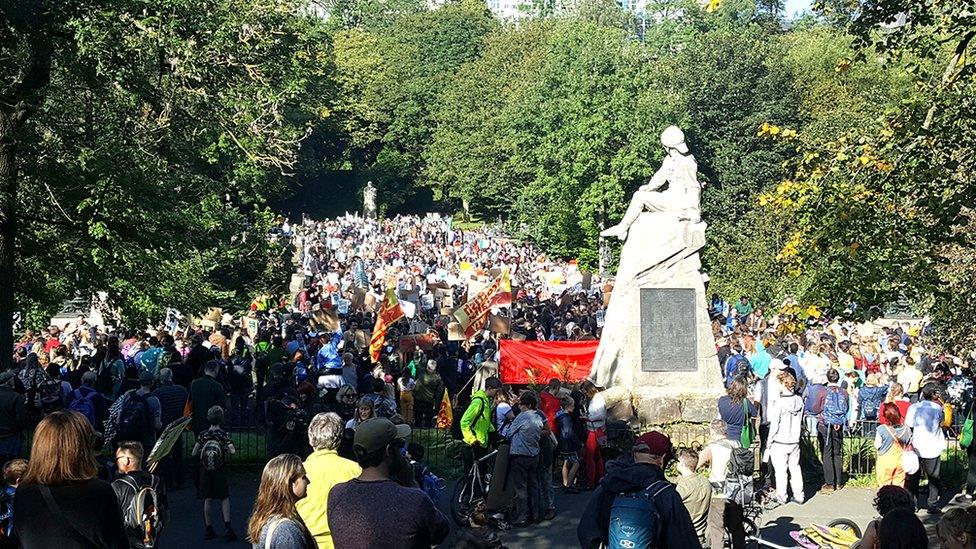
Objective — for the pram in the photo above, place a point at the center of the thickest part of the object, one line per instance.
(837, 534)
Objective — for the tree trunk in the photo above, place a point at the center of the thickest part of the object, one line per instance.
(8, 232)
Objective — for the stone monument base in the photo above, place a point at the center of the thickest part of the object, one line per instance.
(657, 350)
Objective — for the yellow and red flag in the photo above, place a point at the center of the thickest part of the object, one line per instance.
(390, 312)
(471, 316)
(445, 416)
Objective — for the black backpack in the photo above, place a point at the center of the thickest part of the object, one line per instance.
(135, 419)
(49, 396)
(739, 486)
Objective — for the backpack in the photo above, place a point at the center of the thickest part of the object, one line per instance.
(49, 396)
(135, 419)
(835, 407)
(84, 405)
(635, 522)
(736, 366)
(739, 486)
(433, 485)
(141, 515)
(212, 455)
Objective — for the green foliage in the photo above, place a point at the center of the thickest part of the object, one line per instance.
(147, 156)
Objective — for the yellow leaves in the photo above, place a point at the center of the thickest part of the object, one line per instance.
(773, 131)
(813, 311)
(843, 65)
(711, 6)
(791, 249)
(864, 159)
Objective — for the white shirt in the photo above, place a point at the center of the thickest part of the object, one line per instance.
(596, 413)
(925, 418)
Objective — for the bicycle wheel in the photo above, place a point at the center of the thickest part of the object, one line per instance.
(846, 524)
(464, 495)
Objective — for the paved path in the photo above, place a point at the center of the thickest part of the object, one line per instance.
(776, 524)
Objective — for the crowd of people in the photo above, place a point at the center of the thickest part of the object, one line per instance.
(337, 423)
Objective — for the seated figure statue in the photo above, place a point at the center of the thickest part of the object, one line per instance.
(682, 195)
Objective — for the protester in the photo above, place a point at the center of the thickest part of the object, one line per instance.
(569, 444)
(644, 476)
(785, 424)
(596, 421)
(275, 522)
(205, 393)
(476, 423)
(172, 401)
(722, 513)
(324, 469)
(372, 510)
(957, 528)
(925, 421)
(695, 491)
(902, 529)
(896, 396)
(890, 440)
(13, 472)
(13, 417)
(833, 418)
(213, 446)
(142, 497)
(887, 499)
(427, 393)
(60, 502)
(735, 409)
(525, 434)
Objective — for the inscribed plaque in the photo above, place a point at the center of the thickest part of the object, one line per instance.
(669, 336)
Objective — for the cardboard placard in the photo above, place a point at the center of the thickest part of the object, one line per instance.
(518, 336)
(587, 280)
(358, 299)
(371, 301)
(410, 343)
(325, 320)
(447, 311)
(251, 326)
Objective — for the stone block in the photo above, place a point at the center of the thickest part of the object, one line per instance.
(657, 410)
(699, 409)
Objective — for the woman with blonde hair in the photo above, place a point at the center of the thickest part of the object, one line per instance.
(60, 503)
(275, 522)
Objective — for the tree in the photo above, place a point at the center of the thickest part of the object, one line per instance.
(137, 146)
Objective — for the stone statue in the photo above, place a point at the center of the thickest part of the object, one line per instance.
(657, 340)
(683, 194)
(369, 201)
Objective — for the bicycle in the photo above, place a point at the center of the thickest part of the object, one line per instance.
(470, 489)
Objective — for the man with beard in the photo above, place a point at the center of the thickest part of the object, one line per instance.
(359, 511)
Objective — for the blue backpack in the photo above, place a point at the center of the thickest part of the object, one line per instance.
(84, 405)
(635, 522)
(835, 406)
(735, 366)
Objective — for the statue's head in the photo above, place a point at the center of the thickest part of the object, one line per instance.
(674, 139)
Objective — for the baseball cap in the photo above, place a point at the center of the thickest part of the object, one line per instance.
(654, 443)
(375, 434)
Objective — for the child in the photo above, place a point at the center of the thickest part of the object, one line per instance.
(12, 473)
(212, 446)
(568, 443)
(479, 536)
(415, 456)
(695, 491)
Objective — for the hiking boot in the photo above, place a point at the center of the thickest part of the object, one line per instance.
(828, 489)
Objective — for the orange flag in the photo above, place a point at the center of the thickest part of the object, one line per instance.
(445, 416)
(390, 312)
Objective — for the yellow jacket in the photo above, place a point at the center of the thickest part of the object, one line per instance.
(324, 469)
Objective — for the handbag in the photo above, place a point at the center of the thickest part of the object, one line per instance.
(747, 434)
(966, 436)
(909, 459)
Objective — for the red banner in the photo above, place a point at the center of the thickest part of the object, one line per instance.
(524, 362)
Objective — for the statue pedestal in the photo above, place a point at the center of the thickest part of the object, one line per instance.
(657, 339)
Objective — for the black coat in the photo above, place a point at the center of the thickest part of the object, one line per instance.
(91, 517)
(677, 531)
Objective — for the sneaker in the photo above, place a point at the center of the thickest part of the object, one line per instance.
(210, 534)
(796, 501)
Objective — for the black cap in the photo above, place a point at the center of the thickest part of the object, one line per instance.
(375, 434)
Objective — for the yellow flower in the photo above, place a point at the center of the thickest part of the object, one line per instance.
(711, 6)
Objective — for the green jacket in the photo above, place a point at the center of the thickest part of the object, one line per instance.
(476, 422)
(429, 388)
